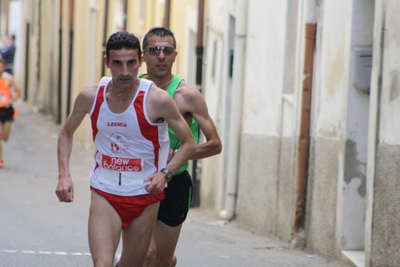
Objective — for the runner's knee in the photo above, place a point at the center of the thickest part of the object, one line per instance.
(174, 261)
(151, 255)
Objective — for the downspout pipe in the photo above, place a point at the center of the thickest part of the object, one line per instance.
(125, 18)
(236, 110)
(199, 46)
(199, 78)
(60, 65)
(167, 13)
(70, 54)
(27, 55)
(103, 67)
(304, 139)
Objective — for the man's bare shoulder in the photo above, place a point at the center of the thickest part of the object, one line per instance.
(85, 98)
(158, 96)
(89, 91)
(187, 93)
(185, 86)
(159, 103)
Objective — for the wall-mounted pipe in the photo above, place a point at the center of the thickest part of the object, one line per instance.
(199, 78)
(125, 18)
(27, 55)
(71, 50)
(235, 123)
(167, 13)
(304, 139)
(105, 24)
(60, 61)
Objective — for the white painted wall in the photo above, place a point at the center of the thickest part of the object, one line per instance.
(216, 91)
(332, 79)
(328, 125)
(354, 193)
(265, 63)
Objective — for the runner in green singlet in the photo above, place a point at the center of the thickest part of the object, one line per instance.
(159, 47)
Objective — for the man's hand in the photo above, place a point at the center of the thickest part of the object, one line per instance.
(157, 185)
(65, 190)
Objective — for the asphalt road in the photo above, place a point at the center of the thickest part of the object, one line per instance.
(37, 230)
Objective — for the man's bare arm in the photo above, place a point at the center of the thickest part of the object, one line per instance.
(16, 89)
(82, 106)
(161, 105)
(194, 103)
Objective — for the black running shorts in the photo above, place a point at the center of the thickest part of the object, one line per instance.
(176, 204)
(6, 114)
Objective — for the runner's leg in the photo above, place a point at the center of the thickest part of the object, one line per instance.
(136, 238)
(166, 240)
(1, 141)
(104, 231)
(151, 253)
(6, 130)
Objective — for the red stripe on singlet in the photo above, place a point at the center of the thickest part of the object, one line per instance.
(150, 132)
(95, 115)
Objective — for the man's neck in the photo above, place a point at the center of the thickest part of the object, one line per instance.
(163, 82)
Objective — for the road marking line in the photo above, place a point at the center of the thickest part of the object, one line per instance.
(44, 252)
(59, 253)
(28, 252)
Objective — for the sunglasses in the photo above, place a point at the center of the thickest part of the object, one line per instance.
(154, 50)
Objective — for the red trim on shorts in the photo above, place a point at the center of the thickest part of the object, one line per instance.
(129, 207)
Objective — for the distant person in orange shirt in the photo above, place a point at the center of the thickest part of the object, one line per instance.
(7, 97)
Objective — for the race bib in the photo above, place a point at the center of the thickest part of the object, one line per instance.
(123, 172)
(3, 99)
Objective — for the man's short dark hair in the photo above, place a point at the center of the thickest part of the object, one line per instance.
(160, 32)
(122, 39)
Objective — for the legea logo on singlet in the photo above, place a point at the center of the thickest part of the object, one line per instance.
(121, 164)
(116, 124)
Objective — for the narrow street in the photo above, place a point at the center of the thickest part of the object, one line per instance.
(37, 230)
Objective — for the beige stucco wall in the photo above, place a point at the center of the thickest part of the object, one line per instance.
(213, 180)
(262, 105)
(385, 231)
(328, 128)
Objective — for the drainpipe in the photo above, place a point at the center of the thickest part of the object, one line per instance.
(304, 139)
(167, 13)
(125, 18)
(236, 110)
(103, 67)
(27, 55)
(199, 78)
(70, 52)
(60, 54)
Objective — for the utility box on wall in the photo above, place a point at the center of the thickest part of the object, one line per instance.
(363, 68)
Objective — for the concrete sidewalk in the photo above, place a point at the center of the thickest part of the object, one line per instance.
(205, 240)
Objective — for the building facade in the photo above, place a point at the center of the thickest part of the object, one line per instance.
(304, 94)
